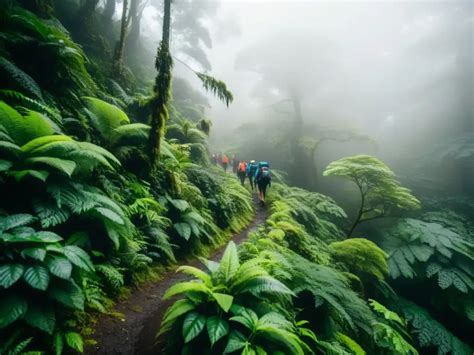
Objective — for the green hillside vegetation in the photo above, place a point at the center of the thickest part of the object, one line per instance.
(106, 181)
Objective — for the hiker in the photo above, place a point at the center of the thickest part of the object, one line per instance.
(263, 179)
(242, 171)
(225, 162)
(235, 165)
(214, 158)
(251, 169)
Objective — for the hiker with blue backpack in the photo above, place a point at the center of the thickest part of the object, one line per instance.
(263, 179)
(251, 171)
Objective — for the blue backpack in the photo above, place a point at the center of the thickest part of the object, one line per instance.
(266, 173)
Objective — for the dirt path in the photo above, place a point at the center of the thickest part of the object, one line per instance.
(145, 308)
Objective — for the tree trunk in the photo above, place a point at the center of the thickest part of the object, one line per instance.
(359, 214)
(119, 46)
(136, 13)
(159, 111)
(303, 169)
(87, 10)
(109, 10)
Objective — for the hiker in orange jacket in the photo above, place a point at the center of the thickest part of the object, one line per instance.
(225, 162)
(242, 171)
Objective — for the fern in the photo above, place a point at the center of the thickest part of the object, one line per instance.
(111, 275)
(331, 288)
(412, 243)
(217, 87)
(24, 128)
(12, 75)
(105, 117)
(429, 332)
(19, 98)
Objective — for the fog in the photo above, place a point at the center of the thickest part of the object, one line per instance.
(399, 74)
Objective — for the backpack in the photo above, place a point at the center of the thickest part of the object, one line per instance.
(242, 167)
(265, 173)
(252, 168)
(263, 164)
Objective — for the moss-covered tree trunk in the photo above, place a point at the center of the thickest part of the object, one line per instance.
(159, 111)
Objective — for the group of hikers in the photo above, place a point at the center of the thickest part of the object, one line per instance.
(258, 174)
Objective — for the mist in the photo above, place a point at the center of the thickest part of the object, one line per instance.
(399, 72)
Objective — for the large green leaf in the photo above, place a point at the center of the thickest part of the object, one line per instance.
(194, 271)
(230, 261)
(183, 287)
(12, 307)
(216, 328)
(58, 343)
(179, 308)
(193, 325)
(65, 166)
(67, 293)
(5, 165)
(78, 257)
(39, 237)
(36, 143)
(59, 266)
(74, 341)
(15, 220)
(19, 175)
(24, 128)
(180, 205)
(183, 229)
(41, 317)
(236, 342)
(110, 215)
(34, 253)
(10, 273)
(37, 277)
(224, 301)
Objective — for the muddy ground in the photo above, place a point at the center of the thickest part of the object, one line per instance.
(144, 309)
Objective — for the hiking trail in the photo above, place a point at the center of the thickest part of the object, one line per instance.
(144, 309)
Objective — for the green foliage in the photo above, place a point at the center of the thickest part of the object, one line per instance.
(330, 289)
(48, 269)
(23, 128)
(15, 78)
(215, 302)
(15, 97)
(430, 333)
(412, 244)
(105, 117)
(66, 73)
(390, 333)
(381, 194)
(217, 87)
(361, 256)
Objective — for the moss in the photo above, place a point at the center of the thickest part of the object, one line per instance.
(361, 256)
